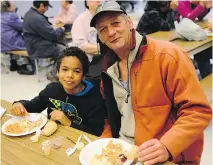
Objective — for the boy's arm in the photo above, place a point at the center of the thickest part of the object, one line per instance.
(39, 103)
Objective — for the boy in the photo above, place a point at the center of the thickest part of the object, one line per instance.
(72, 101)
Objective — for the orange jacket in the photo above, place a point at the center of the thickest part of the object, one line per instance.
(168, 102)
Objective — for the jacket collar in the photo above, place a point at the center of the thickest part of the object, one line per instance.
(33, 8)
(111, 57)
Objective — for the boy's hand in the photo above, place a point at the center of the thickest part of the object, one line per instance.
(60, 116)
(19, 110)
(152, 152)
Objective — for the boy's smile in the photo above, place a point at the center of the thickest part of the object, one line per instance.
(70, 74)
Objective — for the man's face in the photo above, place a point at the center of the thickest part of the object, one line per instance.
(12, 7)
(63, 3)
(43, 8)
(114, 30)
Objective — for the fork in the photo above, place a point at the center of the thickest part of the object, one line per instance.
(71, 150)
(29, 118)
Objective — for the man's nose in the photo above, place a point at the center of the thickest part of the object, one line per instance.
(111, 31)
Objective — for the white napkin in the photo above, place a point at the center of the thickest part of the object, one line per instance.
(2, 111)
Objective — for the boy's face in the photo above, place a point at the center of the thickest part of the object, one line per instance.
(70, 74)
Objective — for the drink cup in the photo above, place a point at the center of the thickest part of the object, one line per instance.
(57, 142)
(46, 147)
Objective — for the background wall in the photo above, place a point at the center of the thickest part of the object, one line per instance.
(24, 6)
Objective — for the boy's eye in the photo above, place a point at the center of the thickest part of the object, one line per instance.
(64, 69)
(78, 71)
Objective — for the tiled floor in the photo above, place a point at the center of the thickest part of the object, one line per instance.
(15, 87)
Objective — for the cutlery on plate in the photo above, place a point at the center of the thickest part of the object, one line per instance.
(29, 117)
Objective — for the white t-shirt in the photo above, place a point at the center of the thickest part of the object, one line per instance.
(82, 33)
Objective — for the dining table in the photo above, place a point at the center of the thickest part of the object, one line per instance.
(191, 47)
(21, 150)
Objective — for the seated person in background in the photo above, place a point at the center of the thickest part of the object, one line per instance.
(72, 101)
(157, 16)
(42, 40)
(67, 13)
(191, 9)
(85, 37)
(11, 36)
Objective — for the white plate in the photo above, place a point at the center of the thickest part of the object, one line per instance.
(16, 119)
(95, 148)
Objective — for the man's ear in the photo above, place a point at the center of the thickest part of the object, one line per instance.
(57, 74)
(131, 26)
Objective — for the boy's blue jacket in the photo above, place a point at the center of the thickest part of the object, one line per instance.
(86, 109)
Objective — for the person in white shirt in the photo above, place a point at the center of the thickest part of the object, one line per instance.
(68, 12)
(85, 37)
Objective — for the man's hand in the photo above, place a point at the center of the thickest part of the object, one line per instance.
(19, 110)
(60, 116)
(152, 152)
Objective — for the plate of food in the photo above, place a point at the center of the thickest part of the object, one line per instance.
(108, 151)
(20, 126)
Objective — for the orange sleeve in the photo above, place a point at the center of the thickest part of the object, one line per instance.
(107, 130)
(193, 112)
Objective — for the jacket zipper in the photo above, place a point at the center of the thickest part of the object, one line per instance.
(135, 73)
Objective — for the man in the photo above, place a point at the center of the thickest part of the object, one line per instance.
(85, 37)
(152, 92)
(42, 40)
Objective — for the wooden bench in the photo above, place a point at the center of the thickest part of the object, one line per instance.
(24, 54)
(206, 85)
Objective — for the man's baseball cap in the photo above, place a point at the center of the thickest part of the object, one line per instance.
(107, 6)
(46, 3)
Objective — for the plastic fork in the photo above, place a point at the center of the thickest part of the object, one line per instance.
(87, 139)
(71, 150)
(29, 118)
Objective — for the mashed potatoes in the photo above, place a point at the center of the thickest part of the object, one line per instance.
(112, 154)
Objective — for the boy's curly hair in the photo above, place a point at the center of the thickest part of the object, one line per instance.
(75, 52)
